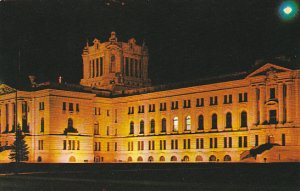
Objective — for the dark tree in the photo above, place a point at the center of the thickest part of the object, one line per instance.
(19, 150)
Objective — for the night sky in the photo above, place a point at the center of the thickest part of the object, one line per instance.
(186, 39)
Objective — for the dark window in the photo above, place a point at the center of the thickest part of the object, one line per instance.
(230, 99)
(211, 101)
(101, 66)
(283, 139)
(200, 122)
(245, 141)
(152, 126)
(216, 143)
(131, 130)
(163, 125)
(77, 107)
(64, 107)
(272, 93)
(210, 142)
(201, 143)
(142, 127)
(240, 97)
(214, 121)
(42, 125)
(256, 140)
(240, 142)
(225, 99)
(230, 142)
(225, 142)
(189, 143)
(65, 145)
(127, 66)
(200, 102)
(96, 129)
(245, 97)
(244, 119)
(71, 107)
(228, 120)
(136, 68)
(273, 117)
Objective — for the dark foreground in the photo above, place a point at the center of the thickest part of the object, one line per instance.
(107, 177)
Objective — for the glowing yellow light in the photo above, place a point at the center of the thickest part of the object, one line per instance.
(287, 10)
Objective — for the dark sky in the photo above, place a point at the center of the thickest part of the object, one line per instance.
(186, 39)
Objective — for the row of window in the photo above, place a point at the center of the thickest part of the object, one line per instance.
(71, 107)
(96, 67)
(71, 145)
(133, 67)
(199, 143)
(243, 97)
(187, 127)
(184, 159)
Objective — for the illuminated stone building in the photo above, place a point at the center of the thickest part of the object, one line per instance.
(115, 115)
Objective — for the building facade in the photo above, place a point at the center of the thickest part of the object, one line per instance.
(115, 115)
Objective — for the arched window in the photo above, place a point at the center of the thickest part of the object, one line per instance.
(140, 159)
(163, 125)
(72, 159)
(188, 123)
(129, 159)
(150, 159)
(42, 125)
(152, 126)
(175, 124)
(112, 67)
(162, 158)
(39, 159)
(70, 122)
(244, 119)
(199, 158)
(227, 158)
(96, 128)
(141, 127)
(214, 121)
(131, 130)
(228, 120)
(173, 158)
(212, 158)
(186, 158)
(200, 122)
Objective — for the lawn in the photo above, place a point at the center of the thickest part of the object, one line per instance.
(107, 177)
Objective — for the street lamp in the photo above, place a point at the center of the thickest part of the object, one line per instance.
(288, 10)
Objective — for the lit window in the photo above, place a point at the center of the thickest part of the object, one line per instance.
(175, 124)
(188, 123)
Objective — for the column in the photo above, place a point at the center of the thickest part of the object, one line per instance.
(280, 103)
(289, 101)
(254, 105)
(262, 98)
